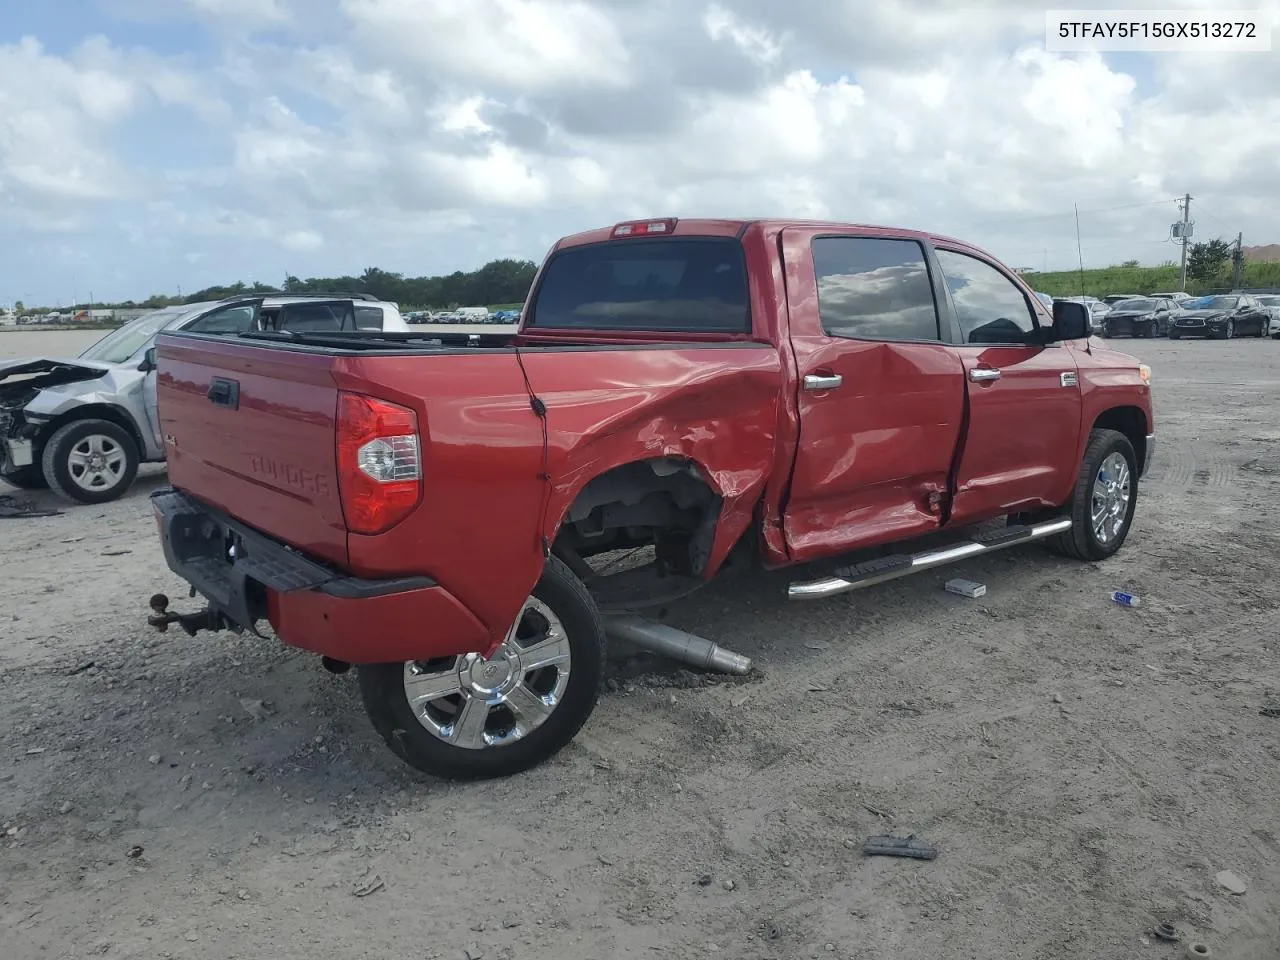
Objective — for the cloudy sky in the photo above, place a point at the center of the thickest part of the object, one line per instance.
(147, 145)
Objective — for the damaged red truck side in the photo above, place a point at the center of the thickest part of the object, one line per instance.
(447, 511)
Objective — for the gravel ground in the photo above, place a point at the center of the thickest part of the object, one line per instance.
(1086, 770)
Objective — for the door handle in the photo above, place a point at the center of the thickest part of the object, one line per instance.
(983, 374)
(813, 381)
(224, 392)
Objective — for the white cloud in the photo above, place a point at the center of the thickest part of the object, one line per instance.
(519, 43)
(428, 137)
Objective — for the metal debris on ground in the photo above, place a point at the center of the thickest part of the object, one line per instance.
(258, 709)
(12, 507)
(1270, 710)
(1198, 951)
(1166, 931)
(134, 853)
(899, 847)
(1125, 599)
(1229, 882)
(370, 884)
(966, 588)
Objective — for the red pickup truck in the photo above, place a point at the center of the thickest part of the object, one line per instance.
(434, 508)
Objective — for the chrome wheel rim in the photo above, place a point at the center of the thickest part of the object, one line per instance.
(475, 703)
(1231, 329)
(96, 463)
(1110, 500)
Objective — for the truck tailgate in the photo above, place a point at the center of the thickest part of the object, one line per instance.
(253, 432)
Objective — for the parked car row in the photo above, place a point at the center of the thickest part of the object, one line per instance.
(1178, 315)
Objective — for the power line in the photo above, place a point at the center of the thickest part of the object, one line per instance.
(1049, 216)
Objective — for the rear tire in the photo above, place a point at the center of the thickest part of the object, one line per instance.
(90, 461)
(429, 736)
(25, 478)
(1100, 521)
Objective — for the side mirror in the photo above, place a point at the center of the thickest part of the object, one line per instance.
(1071, 321)
(148, 360)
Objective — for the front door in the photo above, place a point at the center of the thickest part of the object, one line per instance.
(880, 397)
(1021, 443)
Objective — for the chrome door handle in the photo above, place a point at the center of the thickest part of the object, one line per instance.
(813, 381)
(983, 374)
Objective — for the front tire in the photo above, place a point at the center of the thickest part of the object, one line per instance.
(1106, 494)
(1229, 332)
(90, 461)
(466, 717)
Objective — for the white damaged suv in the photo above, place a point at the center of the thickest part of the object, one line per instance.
(82, 426)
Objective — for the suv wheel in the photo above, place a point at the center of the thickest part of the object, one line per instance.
(1101, 508)
(90, 461)
(467, 717)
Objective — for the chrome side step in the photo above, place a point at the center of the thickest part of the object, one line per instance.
(900, 565)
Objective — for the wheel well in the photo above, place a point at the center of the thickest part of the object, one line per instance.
(95, 411)
(664, 502)
(1130, 421)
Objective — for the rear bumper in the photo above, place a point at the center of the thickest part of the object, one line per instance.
(248, 576)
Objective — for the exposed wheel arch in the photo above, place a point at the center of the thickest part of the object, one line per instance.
(654, 499)
(1130, 421)
(92, 411)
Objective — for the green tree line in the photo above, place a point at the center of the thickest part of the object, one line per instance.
(497, 282)
(1210, 269)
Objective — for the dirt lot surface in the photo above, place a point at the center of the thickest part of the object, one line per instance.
(1086, 770)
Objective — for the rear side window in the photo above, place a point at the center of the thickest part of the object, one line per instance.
(368, 318)
(315, 316)
(874, 289)
(695, 285)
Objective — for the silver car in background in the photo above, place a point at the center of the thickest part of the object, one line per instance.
(81, 426)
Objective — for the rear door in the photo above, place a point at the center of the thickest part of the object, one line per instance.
(1024, 405)
(881, 397)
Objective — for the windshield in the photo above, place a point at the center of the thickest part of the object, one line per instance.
(695, 285)
(1137, 303)
(1212, 303)
(119, 345)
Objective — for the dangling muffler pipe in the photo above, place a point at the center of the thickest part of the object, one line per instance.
(670, 642)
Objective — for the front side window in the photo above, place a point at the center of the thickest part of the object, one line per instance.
(989, 307)
(871, 288)
(690, 285)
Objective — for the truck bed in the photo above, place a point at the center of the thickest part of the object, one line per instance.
(508, 436)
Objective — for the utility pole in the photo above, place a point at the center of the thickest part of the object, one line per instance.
(1079, 249)
(1237, 259)
(1186, 218)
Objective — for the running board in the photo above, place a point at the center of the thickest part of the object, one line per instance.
(899, 565)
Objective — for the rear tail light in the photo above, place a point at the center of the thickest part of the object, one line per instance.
(379, 462)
